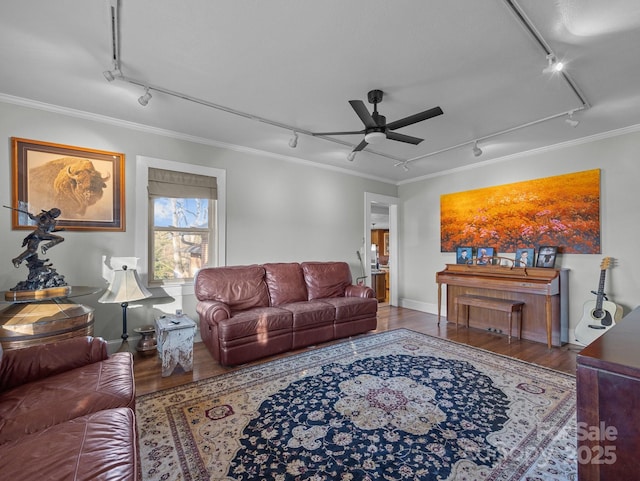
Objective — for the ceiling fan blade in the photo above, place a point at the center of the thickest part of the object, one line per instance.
(403, 138)
(412, 119)
(361, 146)
(363, 113)
(339, 133)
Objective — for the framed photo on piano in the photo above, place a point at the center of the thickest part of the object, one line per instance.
(484, 256)
(464, 255)
(547, 256)
(524, 257)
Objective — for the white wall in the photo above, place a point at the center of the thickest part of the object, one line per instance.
(615, 156)
(278, 210)
(283, 210)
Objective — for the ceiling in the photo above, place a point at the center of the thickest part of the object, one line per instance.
(295, 64)
(379, 216)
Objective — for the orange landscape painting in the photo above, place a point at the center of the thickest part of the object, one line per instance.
(561, 211)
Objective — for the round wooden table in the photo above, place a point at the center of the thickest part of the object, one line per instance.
(44, 317)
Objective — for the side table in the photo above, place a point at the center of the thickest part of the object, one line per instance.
(175, 342)
(49, 315)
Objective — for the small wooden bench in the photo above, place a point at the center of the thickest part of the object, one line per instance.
(504, 305)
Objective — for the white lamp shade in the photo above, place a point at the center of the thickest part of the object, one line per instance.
(125, 287)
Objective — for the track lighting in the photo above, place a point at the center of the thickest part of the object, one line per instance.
(111, 75)
(293, 141)
(114, 73)
(553, 65)
(404, 164)
(477, 151)
(571, 121)
(144, 99)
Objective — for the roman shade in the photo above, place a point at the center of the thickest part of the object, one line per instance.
(169, 183)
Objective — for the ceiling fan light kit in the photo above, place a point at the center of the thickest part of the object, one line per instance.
(374, 137)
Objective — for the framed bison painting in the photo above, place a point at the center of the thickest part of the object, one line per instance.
(86, 185)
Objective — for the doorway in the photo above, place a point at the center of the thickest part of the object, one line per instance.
(376, 205)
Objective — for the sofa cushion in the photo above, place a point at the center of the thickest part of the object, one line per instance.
(326, 279)
(251, 334)
(35, 406)
(285, 282)
(310, 314)
(348, 308)
(255, 323)
(21, 366)
(98, 446)
(240, 287)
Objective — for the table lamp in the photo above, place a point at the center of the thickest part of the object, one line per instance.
(124, 288)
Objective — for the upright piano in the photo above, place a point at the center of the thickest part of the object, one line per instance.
(544, 291)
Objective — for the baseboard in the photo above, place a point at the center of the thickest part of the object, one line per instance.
(422, 306)
(114, 344)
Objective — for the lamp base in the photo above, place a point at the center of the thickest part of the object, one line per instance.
(124, 347)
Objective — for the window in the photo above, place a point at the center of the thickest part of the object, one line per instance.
(182, 236)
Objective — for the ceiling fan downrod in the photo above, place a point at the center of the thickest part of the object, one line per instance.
(375, 97)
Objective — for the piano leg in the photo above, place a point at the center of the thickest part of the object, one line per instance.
(439, 301)
(548, 309)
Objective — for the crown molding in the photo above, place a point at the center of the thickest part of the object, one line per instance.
(527, 153)
(81, 114)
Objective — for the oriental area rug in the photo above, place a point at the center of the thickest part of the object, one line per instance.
(397, 405)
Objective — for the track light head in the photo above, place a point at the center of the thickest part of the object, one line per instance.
(553, 65)
(571, 121)
(404, 164)
(111, 75)
(477, 151)
(293, 141)
(351, 156)
(144, 99)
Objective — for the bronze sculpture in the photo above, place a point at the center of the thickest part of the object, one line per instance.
(41, 273)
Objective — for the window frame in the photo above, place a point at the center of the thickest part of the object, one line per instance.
(143, 225)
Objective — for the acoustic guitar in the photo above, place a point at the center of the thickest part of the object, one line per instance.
(600, 315)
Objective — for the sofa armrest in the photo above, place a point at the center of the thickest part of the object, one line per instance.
(359, 291)
(21, 366)
(213, 311)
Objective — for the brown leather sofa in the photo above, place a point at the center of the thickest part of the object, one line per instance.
(67, 413)
(250, 312)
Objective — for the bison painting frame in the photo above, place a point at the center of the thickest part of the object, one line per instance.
(87, 185)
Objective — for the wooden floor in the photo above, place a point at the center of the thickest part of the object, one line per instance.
(147, 367)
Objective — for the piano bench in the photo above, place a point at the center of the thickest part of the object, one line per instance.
(504, 305)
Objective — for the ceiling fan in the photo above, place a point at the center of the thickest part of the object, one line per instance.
(376, 126)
